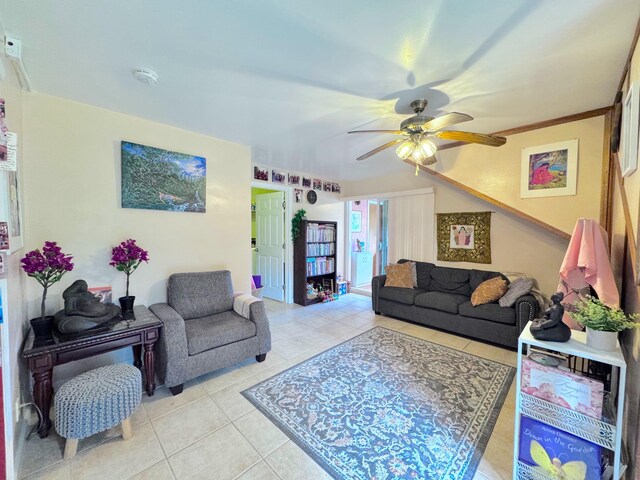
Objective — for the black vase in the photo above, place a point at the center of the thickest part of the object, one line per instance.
(42, 327)
(126, 304)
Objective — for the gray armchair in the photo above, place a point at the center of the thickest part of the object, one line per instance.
(202, 332)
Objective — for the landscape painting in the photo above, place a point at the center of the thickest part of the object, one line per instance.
(157, 179)
(549, 170)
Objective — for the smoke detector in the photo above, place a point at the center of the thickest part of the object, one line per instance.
(146, 76)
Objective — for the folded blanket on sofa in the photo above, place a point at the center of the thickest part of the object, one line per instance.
(539, 295)
(242, 303)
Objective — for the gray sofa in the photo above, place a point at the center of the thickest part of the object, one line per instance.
(442, 300)
(202, 332)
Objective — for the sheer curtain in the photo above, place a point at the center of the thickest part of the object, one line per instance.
(412, 227)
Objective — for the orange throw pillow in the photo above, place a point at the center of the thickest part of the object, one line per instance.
(489, 291)
(399, 275)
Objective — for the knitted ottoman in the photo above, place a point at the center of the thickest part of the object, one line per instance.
(97, 401)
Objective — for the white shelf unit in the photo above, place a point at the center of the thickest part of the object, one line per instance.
(602, 433)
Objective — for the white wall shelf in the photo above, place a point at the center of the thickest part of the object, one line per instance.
(607, 435)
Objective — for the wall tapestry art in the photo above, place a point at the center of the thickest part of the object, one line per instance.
(549, 170)
(464, 237)
(157, 179)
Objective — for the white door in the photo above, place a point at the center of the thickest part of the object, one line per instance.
(270, 243)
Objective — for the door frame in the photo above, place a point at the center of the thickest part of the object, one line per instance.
(369, 196)
(288, 251)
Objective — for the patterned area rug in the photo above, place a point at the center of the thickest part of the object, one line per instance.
(385, 405)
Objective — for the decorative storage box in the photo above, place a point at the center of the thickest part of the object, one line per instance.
(342, 288)
(569, 390)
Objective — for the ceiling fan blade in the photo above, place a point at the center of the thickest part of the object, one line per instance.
(469, 137)
(395, 132)
(379, 149)
(447, 120)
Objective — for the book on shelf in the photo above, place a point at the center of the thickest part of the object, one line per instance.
(569, 390)
(318, 249)
(317, 232)
(557, 453)
(320, 266)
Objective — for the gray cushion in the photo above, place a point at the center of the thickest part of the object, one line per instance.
(450, 280)
(476, 277)
(423, 271)
(489, 311)
(517, 289)
(446, 302)
(216, 330)
(400, 295)
(195, 295)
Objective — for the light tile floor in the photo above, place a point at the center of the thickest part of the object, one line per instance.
(210, 430)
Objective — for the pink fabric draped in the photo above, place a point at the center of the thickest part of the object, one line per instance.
(587, 263)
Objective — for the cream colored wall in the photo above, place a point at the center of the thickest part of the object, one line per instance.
(72, 196)
(516, 246)
(496, 171)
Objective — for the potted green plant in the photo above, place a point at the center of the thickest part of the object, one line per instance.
(602, 322)
(295, 224)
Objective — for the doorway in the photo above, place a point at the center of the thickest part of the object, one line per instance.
(369, 241)
(270, 239)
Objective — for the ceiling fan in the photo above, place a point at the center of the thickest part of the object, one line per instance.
(417, 130)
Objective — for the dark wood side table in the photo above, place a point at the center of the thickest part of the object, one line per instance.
(42, 354)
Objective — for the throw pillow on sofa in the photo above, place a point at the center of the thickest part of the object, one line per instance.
(414, 269)
(489, 291)
(399, 275)
(517, 289)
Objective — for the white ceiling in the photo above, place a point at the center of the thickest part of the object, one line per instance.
(289, 78)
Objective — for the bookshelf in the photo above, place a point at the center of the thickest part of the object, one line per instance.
(314, 259)
(605, 432)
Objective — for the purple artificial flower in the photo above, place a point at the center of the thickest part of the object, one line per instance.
(127, 257)
(47, 267)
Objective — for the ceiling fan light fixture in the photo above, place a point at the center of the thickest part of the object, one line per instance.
(428, 147)
(418, 155)
(405, 149)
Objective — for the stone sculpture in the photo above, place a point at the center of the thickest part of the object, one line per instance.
(551, 328)
(83, 310)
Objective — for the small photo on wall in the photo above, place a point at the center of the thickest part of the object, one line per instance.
(335, 188)
(317, 184)
(327, 186)
(294, 179)
(261, 174)
(277, 177)
(299, 194)
(306, 182)
(4, 236)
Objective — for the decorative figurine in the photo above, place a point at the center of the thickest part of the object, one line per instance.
(83, 310)
(551, 328)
